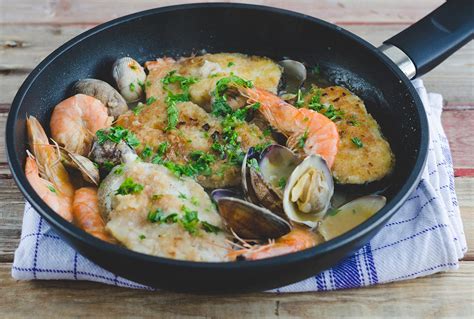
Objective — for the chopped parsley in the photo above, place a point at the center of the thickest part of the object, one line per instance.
(302, 139)
(137, 109)
(357, 142)
(230, 64)
(182, 196)
(51, 189)
(352, 121)
(147, 152)
(172, 99)
(201, 162)
(158, 216)
(129, 187)
(333, 211)
(267, 132)
(189, 220)
(299, 99)
(209, 228)
(132, 87)
(260, 147)
(194, 201)
(117, 134)
(333, 114)
(282, 182)
(141, 237)
(315, 102)
(150, 100)
(220, 107)
(108, 165)
(119, 169)
(253, 164)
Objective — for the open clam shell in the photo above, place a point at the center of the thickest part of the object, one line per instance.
(85, 166)
(308, 192)
(263, 180)
(248, 220)
(338, 221)
(294, 74)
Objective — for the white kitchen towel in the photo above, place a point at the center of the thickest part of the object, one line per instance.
(424, 237)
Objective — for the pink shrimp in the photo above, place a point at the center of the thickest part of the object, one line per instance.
(301, 126)
(296, 240)
(47, 191)
(47, 166)
(75, 121)
(86, 213)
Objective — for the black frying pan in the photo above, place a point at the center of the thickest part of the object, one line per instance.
(343, 57)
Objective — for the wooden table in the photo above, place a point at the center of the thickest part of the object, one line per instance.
(31, 29)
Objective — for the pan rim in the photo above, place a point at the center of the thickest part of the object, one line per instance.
(79, 235)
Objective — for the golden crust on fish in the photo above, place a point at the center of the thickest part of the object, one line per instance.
(209, 68)
(353, 164)
(128, 223)
(196, 130)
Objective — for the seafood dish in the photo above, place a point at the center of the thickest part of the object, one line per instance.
(212, 158)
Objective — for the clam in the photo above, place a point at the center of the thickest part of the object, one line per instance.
(248, 220)
(264, 176)
(88, 170)
(294, 74)
(104, 92)
(110, 153)
(308, 191)
(338, 221)
(130, 77)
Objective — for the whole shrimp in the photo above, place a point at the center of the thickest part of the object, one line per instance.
(45, 171)
(75, 121)
(86, 213)
(297, 239)
(301, 126)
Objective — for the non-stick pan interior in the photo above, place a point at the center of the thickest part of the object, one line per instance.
(343, 58)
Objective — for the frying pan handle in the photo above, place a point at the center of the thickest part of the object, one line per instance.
(428, 42)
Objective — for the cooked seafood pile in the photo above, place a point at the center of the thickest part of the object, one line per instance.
(219, 157)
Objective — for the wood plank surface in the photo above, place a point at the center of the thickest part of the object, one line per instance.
(93, 12)
(428, 297)
(21, 49)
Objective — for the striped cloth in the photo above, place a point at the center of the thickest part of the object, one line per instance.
(424, 237)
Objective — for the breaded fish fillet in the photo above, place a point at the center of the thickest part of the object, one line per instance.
(196, 130)
(209, 68)
(128, 220)
(363, 155)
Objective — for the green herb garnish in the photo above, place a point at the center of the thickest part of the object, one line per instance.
(172, 99)
(147, 152)
(357, 142)
(117, 134)
(333, 211)
(302, 139)
(194, 201)
(132, 87)
(333, 114)
(137, 109)
(282, 182)
(189, 220)
(315, 102)
(209, 228)
(119, 169)
(129, 187)
(299, 99)
(141, 237)
(150, 100)
(230, 64)
(253, 164)
(108, 165)
(182, 196)
(51, 189)
(220, 106)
